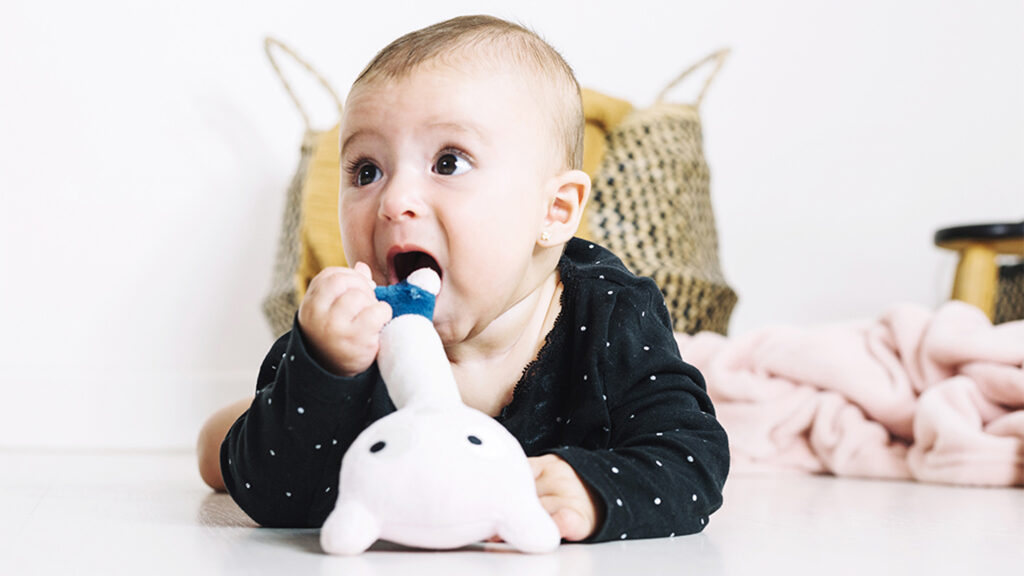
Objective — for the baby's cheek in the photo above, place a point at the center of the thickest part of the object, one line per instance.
(356, 219)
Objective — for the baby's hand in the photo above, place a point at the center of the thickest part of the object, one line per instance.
(342, 319)
(565, 497)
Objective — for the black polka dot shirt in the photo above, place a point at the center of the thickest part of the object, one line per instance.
(608, 393)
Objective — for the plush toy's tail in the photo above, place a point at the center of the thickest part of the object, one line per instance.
(411, 359)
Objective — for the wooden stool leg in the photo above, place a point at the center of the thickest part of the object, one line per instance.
(976, 278)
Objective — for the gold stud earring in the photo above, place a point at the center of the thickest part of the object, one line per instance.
(544, 236)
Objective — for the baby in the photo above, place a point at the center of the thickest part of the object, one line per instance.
(460, 148)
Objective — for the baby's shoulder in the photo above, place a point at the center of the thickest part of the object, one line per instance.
(592, 266)
(602, 291)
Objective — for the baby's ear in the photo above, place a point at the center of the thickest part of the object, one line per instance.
(567, 195)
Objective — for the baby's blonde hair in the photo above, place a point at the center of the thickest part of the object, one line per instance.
(453, 38)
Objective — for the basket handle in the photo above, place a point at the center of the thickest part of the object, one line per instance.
(717, 57)
(268, 44)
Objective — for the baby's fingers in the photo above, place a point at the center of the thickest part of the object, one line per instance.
(364, 270)
(332, 283)
(554, 477)
(564, 496)
(572, 524)
(371, 319)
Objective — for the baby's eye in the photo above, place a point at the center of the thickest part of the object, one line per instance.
(452, 164)
(367, 173)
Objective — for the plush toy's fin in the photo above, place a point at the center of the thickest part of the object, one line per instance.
(349, 530)
(530, 529)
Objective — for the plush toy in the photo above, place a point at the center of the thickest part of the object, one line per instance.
(435, 473)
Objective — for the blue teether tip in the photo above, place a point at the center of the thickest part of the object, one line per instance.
(406, 298)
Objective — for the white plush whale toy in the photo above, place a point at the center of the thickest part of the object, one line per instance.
(435, 473)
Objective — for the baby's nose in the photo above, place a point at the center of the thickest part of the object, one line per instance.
(401, 199)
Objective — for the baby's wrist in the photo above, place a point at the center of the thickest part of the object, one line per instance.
(321, 358)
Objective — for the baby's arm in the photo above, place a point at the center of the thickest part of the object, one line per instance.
(280, 459)
(665, 470)
(654, 458)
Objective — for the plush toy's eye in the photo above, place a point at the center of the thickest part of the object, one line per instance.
(377, 447)
(483, 442)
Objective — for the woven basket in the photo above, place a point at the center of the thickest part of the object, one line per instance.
(651, 205)
(1010, 294)
(282, 299)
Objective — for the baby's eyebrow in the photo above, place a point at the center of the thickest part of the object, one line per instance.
(348, 139)
(459, 127)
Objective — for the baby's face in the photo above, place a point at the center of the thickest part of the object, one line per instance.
(449, 169)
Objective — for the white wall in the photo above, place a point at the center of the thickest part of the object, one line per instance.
(145, 149)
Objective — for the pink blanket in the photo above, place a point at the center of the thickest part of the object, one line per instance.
(931, 396)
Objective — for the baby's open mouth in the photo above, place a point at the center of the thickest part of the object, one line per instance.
(405, 263)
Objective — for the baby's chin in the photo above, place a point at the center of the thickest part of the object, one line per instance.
(446, 328)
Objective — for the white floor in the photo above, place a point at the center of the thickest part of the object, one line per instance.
(103, 513)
